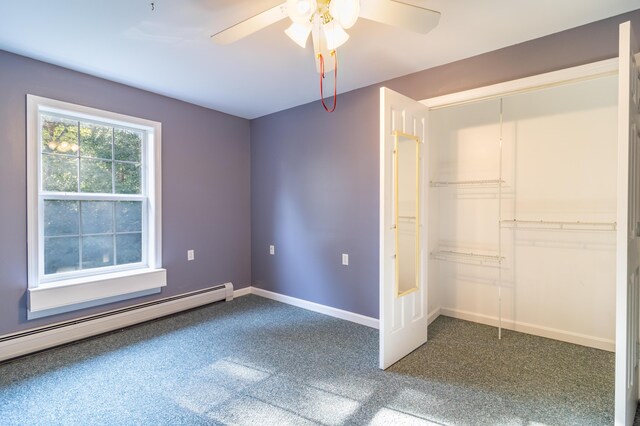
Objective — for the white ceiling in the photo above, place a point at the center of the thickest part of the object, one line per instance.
(168, 50)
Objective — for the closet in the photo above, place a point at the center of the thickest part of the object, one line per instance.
(522, 191)
(527, 212)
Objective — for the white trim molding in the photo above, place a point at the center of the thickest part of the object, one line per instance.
(316, 307)
(550, 79)
(536, 330)
(71, 290)
(242, 291)
(433, 316)
(47, 300)
(322, 309)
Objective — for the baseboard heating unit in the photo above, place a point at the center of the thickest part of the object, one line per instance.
(37, 339)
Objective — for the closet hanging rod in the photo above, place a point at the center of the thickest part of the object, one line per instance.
(466, 257)
(483, 182)
(559, 225)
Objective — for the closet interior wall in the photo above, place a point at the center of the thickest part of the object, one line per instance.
(522, 201)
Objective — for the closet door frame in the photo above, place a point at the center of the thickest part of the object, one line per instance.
(585, 72)
(609, 67)
(628, 237)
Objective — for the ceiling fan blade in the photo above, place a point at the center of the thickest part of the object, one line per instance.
(398, 14)
(251, 25)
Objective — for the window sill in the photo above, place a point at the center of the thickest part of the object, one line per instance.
(80, 293)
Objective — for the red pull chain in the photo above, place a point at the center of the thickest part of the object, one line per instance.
(335, 81)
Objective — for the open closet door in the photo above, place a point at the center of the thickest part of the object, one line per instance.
(403, 275)
(627, 253)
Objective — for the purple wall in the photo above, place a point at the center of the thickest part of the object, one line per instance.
(205, 179)
(314, 176)
(315, 180)
(314, 185)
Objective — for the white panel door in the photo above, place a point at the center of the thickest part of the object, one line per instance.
(627, 255)
(403, 319)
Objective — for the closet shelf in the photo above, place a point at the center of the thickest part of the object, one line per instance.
(467, 183)
(467, 257)
(559, 225)
(404, 220)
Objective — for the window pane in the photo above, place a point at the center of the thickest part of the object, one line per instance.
(96, 141)
(95, 176)
(129, 216)
(97, 217)
(129, 248)
(97, 251)
(61, 254)
(59, 135)
(59, 173)
(128, 145)
(60, 218)
(127, 178)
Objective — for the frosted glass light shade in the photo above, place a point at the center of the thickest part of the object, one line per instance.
(335, 35)
(299, 33)
(346, 12)
(301, 10)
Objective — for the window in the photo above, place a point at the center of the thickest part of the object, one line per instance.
(94, 207)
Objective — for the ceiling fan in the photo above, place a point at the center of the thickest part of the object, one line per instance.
(326, 21)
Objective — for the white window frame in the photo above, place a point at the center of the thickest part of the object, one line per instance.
(68, 291)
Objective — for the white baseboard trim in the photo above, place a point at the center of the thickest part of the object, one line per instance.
(316, 307)
(323, 309)
(33, 340)
(242, 292)
(536, 330)
(433, 316)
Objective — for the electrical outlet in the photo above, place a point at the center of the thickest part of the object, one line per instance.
(345, 259)
(272, 249)
(191, 254)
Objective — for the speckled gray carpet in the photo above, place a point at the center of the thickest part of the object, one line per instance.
(253, 361)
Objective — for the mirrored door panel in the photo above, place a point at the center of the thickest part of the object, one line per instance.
(407, 205)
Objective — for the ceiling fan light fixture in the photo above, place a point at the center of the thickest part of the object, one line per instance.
(301, 11)
(335, 35)
(326, 21)
(346, 12)
(299, 33)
